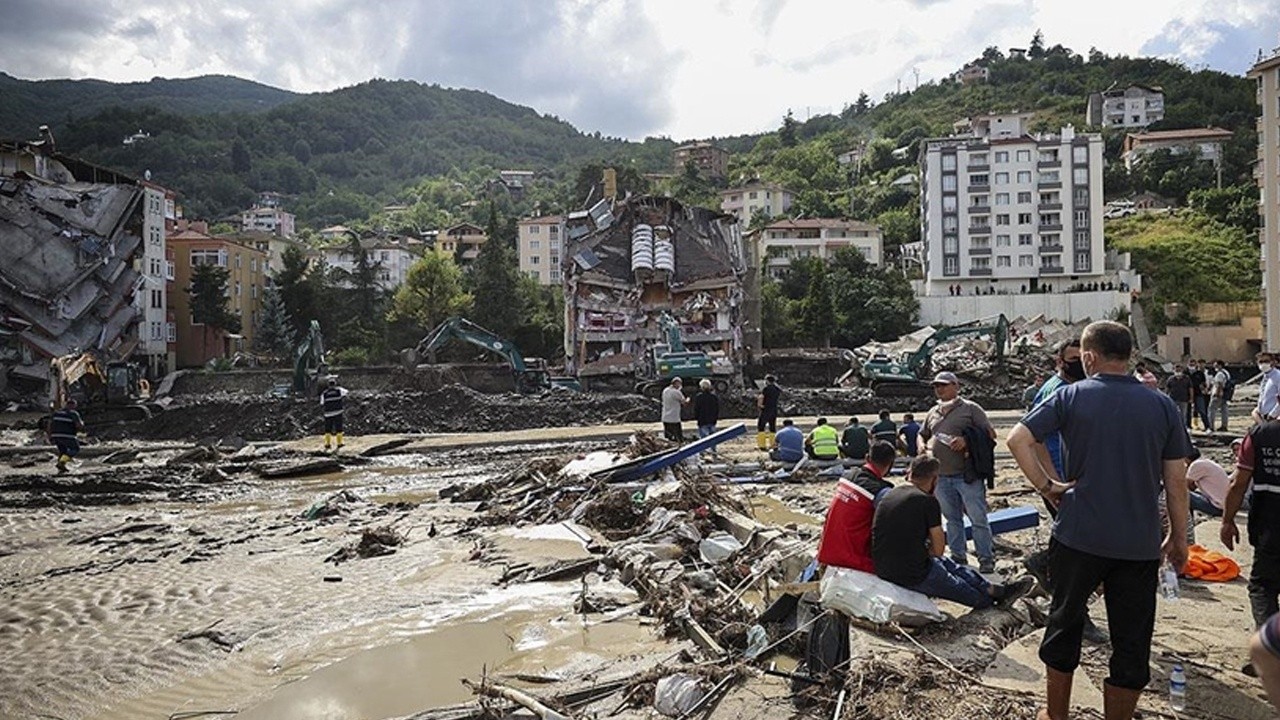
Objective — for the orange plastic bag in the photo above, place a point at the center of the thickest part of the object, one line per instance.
(1206, 564)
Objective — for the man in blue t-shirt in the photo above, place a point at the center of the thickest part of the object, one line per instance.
(1122, 444)
(910, 432)
(790, 443)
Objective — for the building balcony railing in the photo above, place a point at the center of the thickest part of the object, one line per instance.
(980, 251)
(979, 271)
(980, 230)
(978, 167)
(979, 209)
(1053, 249)
(1049, 184)
(1049, 227)
(1045, 207)
(1043, 163)
(979, 188)
(1051, 270)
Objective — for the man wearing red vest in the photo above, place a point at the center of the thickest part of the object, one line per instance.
(846, 534)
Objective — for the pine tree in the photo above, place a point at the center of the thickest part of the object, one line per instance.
(787, 133)
(495, 279)
(817, 314)
(1036, 50)
(208, 292)
(274, 334)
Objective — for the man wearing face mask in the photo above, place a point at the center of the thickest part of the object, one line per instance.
(1268, 407)
(1178, 386)
(1199, 392)
(1123, 444)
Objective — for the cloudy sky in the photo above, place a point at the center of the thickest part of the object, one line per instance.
(630, 68)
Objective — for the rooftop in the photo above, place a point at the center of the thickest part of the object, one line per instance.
(820, 223)
(1188, 134)
(542, 220)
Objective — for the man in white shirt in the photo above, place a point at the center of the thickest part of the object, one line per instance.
(673, 401)
(1208, 482)
(1268, 407)
(1218, 395)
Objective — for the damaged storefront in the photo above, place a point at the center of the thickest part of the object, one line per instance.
(637, 269)
(69, 236)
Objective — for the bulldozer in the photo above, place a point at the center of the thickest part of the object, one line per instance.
(105, 392)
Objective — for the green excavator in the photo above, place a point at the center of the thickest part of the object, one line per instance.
(531, 374)
(309, 368)
(908, 374)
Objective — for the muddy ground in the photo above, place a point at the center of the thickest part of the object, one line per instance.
(183, 581)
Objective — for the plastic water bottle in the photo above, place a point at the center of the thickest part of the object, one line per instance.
(1168, 581)
(1178, 688)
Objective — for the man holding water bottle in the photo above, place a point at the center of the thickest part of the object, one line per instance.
(1122, 444)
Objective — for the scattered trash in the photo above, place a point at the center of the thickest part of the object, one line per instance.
(675, 695)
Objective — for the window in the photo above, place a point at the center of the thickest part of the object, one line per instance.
(253, 264)
(949, 162)
(555, 274)
(555, 259)
(1082, 240)
(1082, 217)
(1002, 219)
(208, 257)
(752, 195)
(950, 224)
(1080, 176)
(237, 261)
(1002, 178)
(1024, 156)
(1082, 261)
(554, 244)
(948, 183)
(981, 179)
(1024, 218)
(1050, 176)
(1002, 198)
(535, 260)
(978, 159)
(1024, 238)
(535, 244)
(1002, 157)
(157, 299)
(534, 230)
(1051, 239)
(1080, 154)
(980, 221)
(951, 265)
(534, 274)
(1004, 261)
(1051, 261)
(980, 243)
(1050, 219)
(253, 290)
(981, 263)
(1048, 156)
(1025, 261)
(950, 245)
(1002, 241)
(168, 270)
(949, 203)
(1024, 198)
(978, 201)
(237, 289)
(1024, 177)
(1081, 196)
(555, 232)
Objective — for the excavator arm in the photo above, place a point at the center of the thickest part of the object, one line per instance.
(463, 329)
(308, 360)
(918, 361)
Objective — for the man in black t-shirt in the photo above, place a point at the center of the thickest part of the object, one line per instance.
(1178, 386)
(907, 545)
(767, 402)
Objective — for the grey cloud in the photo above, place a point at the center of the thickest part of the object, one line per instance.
(39, 38)
(138, 28)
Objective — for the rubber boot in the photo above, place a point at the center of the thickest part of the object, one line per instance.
(769, 440)
(762, 440)
(62, 463)
(339, 439)
(1119, 703)
(326, 441)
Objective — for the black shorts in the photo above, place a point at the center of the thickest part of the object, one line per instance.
(333, 424)
(67, 446)
(767, 421)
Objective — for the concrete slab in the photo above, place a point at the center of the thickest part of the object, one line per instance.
(1018, 667)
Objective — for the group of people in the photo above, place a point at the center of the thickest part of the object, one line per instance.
(1202, 390)
(1122, 504)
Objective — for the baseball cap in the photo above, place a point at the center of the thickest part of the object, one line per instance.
(945, 378)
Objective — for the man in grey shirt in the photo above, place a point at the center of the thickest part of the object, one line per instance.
(673, 401)
(943, 438)
(1122, 445)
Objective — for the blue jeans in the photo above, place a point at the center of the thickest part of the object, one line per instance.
(1202, 411)
(956, 583)
(1218, 406)
(959, 498)
(705, 430)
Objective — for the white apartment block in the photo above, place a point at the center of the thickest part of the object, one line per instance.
(394, 257)
(271, 220)
(539, 241)
(1003, 211)
(1135, 106)
(1267, 172)
(745, 202)
(159, 212)
(781, 242)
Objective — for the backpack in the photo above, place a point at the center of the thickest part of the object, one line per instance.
(1229, 388)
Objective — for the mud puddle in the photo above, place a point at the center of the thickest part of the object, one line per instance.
(772, 511)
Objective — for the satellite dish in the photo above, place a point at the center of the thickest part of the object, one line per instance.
(146, 175)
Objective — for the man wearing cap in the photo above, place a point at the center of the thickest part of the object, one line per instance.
(943, 436)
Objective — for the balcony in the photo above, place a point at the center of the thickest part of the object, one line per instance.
(1051, 270)
(980, 251)
(980, 188)
(1049, 207)
(980, 230)
(1043, 163)
(976, 272)
(1053, 249)
(1049, 227)
(979, 209)
(978, 167)
(1049, 184)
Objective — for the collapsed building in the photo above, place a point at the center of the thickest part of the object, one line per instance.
(70, 233)
(633, 264)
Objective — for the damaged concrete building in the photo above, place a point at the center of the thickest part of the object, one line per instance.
(70, 234)
(627, 263)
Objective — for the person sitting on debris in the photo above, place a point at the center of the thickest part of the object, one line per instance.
(706, 408)
(673, 401)
(885, 430)
(908, 546)
(855, 442)
(910, 434)
(846, 533)
(767, 403)
(63, 426)
(790, 444)
(331, 401)
(1208, 482)
(823, 442)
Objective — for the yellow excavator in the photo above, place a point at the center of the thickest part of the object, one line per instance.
(105, 392)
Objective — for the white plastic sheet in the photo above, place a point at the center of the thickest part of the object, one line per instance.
(863, 595)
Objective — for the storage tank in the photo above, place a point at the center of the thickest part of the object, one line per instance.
(641, 248)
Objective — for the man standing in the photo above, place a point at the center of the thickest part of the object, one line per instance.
(767, 403)
(790, 444)
(885, 429)
(823, 442)
(1258, 463)
(64, 424)
(706, 408)
(910, 432)
(943, 433)
(846, 532)
(855, 441)
(1268, 407)
(673, 401)
(1199, 392)
(331, 400)
(1108, 530)
(1178, 386)
(1218, 395)
(907, 546)
(1029, 394)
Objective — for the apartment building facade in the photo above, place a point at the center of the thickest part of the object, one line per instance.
(155, 332)
(1135, 106)
(393, 256)
(462, 242)
(246, 278)
(1267, 172)
(1003, 211)
(711, 160)
(539, 241)
(1207, 142)
(774, 246)
(768, 199)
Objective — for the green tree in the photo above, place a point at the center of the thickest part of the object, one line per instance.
(431, 293)
(777, 322)
(208, 291)
(240, 163)
(274, 334)
(1235, 205)
(787, 133)
(870, 303)
(899, 227)
(817, 316)
(1036, 51)
(362, 316)
(862, 105)
(301, 288)
(495, 280)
